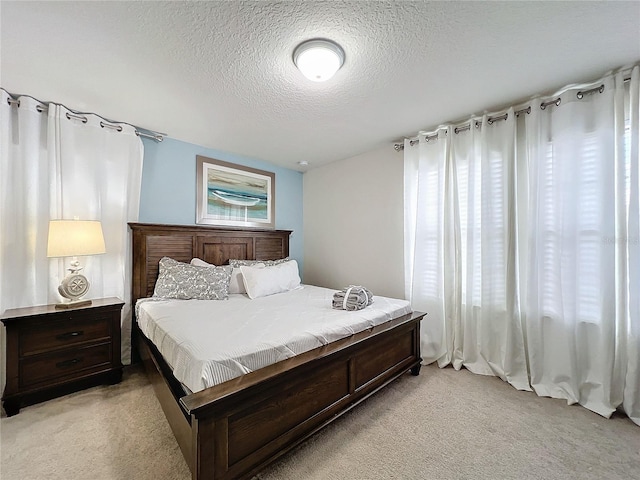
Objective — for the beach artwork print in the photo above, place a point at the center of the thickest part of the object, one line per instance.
(230, 194)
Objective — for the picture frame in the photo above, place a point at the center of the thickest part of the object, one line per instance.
(234, 195)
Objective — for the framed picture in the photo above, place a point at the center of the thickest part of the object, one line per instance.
(233, 195)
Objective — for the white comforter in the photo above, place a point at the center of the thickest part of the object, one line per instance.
(207, 342)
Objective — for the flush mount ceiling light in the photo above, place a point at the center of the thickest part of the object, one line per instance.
(318, 59)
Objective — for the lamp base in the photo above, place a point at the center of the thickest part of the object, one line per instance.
(73, 287)
(73, 304)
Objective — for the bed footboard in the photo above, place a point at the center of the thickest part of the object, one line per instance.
(244, 424)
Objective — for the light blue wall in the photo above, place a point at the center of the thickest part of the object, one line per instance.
(169, 188)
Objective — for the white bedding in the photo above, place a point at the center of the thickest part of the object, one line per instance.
(207, 342)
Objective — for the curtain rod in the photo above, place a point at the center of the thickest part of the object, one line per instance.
(398, 147)
(141, 132)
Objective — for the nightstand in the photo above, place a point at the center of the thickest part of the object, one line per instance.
(52, 352)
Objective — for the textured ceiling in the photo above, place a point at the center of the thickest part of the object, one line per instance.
(220, 74)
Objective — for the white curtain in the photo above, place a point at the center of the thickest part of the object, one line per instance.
(522, 244)
(56, 166)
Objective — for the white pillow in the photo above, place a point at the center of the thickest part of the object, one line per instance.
(263, 281)
(200, 263)
(236, 285)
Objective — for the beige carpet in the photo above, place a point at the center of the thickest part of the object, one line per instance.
(441, 425)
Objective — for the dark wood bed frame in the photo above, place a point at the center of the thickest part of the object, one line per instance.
(234, 429)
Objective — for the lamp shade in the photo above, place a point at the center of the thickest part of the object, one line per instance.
(73, 238)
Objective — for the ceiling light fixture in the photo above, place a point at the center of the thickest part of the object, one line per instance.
(318, 59)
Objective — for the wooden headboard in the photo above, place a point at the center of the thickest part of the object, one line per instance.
(215, 245)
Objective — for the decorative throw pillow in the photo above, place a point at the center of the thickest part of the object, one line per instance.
(236, 285)
(248, 263)
(269, 280)
(184, 281)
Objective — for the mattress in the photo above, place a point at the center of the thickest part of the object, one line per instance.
(207, 342)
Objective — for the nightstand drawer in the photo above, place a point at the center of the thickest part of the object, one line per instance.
(46, 368)
(43, 337)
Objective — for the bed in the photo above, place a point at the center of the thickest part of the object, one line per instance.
(235, 428)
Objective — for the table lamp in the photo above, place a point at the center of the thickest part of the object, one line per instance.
(74, 238)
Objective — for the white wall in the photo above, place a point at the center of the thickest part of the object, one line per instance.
(353, 223)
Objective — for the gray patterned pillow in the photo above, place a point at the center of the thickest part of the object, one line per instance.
(184, 281)
(248, 263)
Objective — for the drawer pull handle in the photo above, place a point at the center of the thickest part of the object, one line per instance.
(68, 363)
(68, 335)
